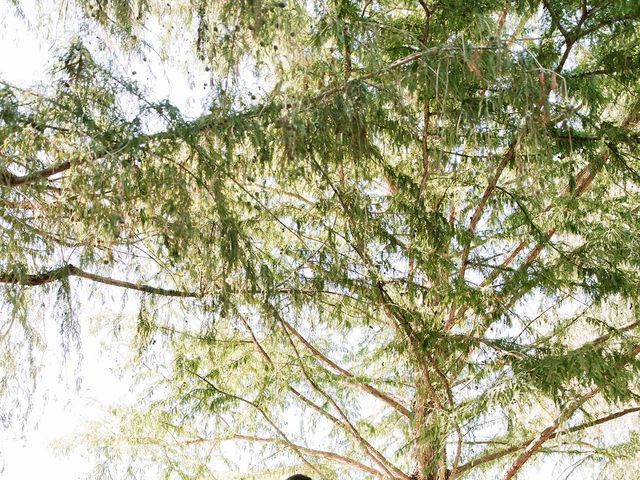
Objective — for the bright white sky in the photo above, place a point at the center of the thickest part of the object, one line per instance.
(60, 407)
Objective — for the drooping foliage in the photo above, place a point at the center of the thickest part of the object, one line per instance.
(400, 242)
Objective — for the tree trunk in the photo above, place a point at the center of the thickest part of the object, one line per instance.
(430, 449)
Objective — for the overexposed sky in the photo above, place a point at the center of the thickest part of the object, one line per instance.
(72, 389)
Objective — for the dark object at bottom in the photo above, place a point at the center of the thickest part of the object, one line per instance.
(297, 476)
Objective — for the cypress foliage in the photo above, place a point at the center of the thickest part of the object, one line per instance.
(411, 252)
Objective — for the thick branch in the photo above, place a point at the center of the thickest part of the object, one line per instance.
(398, 321)
(547, 434)
(533, 445)
(32, 280)
(588, 176)
(581, 179)
(8, 179)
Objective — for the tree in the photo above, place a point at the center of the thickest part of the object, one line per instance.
(418, 232)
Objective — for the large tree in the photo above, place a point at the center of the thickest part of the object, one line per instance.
(400, 243)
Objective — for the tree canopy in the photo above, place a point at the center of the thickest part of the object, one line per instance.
(400, 242)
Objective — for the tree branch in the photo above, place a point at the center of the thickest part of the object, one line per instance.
(547, 433)
(69, 270)
(551, 430)
(508, 156)
(365, 387)
(8, 179)
(348, 427)
(509, 450)
(335, 457)
(345, 423)
(257, 407)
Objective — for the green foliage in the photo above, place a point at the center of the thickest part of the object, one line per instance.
(422, 221)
